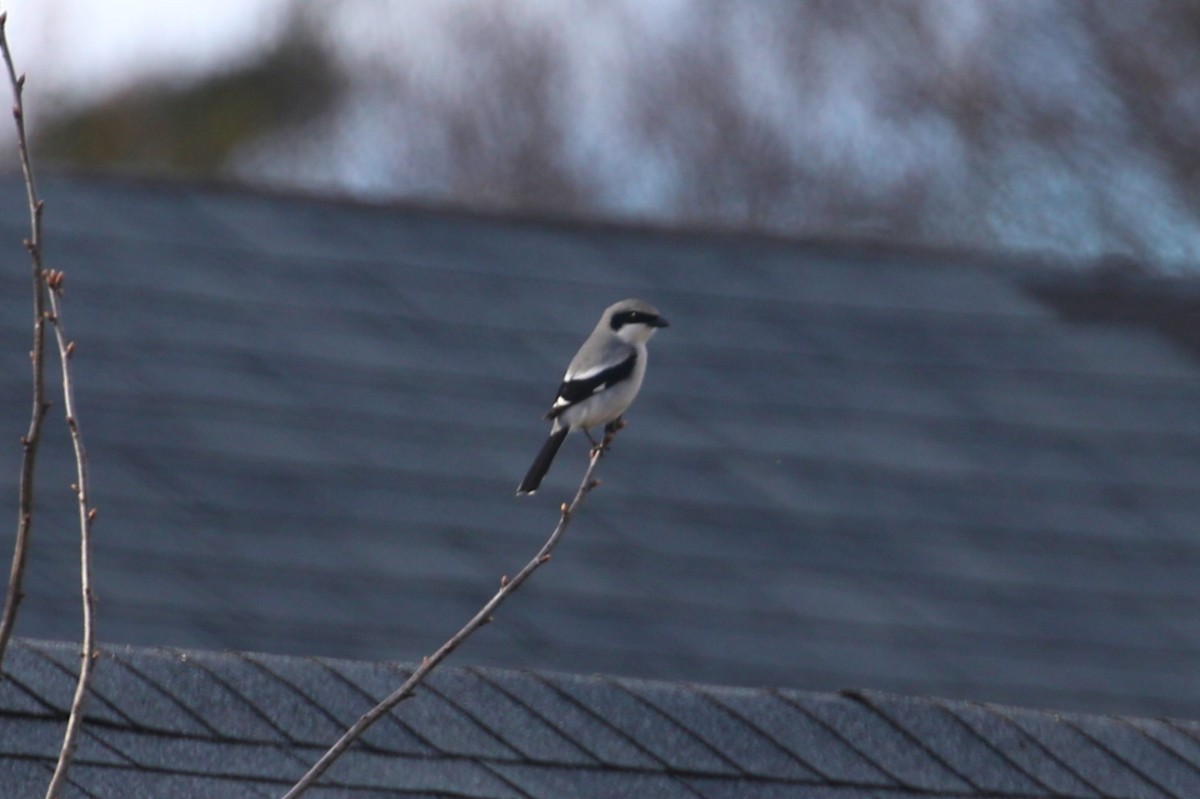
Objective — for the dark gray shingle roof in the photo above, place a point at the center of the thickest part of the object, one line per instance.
(180, 723)
(849, 467)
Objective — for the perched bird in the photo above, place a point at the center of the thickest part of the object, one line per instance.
(601, 381)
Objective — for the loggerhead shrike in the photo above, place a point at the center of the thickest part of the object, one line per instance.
(601, 381)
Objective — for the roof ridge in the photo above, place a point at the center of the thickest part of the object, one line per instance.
(262, 660)
(943, 254)
(511, 729)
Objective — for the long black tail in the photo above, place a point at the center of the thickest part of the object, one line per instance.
(541, 464)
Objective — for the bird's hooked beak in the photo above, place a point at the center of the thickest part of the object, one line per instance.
(660, 322)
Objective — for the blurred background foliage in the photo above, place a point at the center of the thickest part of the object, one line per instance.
(1056, 126)
(194, 127)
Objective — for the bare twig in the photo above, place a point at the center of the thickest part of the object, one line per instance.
(484, 616)
(31, 439)
(54, 281)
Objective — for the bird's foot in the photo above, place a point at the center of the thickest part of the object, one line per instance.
(610, 432)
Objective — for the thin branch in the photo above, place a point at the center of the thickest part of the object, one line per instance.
(31, 439)
(54, 281)
(484, 616)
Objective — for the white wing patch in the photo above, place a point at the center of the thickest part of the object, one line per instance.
(561, 401)
(583, 385)
(571, 377)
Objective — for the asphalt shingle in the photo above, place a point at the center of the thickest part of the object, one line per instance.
(514, 735)
(594, 734)
(433, 725)
(900, 756)
(971, 758)
(849, 466)
(669, 743)
(817, 746)
(1022, 750)
(1097, 765)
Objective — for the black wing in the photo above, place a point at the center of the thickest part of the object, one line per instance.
(575, 391)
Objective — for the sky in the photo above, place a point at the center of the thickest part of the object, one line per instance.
(81, 47)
